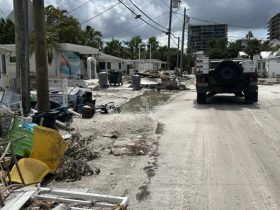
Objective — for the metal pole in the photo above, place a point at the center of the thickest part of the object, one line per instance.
(183, 40)
(139, 50)
(169, 33)
(150, 51)
(178, 51)
(189, 43)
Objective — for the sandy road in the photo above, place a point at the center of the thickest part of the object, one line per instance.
(224, 155)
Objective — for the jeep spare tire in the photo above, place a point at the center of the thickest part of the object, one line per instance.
(227, 73)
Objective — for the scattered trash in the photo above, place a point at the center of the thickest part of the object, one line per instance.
(6, 117)
(108, 108)
(22, 147)
(31, 198)
(128, 147)
(88, 112)
(140, 147)
(73, 164)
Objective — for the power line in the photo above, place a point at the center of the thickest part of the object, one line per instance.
(147, 15)
(4, 15)
(106, 10)
(174, 41)
(128, 29)
(208, 21)
(239, 37)
(141, 17)
(73, 10)
(165, 3)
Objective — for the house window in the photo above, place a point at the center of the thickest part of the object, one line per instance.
(12, 59)
(263, 65)
(120, 66)
(108, 65)
(259, 66)
(102, 65)
(4, 64)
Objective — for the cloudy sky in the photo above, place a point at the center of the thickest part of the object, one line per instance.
(120, 23)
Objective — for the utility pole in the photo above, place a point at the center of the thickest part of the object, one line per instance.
(169, 33)
(183, 40)
(41, 57)
(22, 52)
(189, 43)
(178, 52)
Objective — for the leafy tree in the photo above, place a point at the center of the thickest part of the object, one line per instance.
(91, 37)
(217, 49)
(161, 53)
(114, 48)
(52, 45)
(133, 45)
(7, 31)
(253, 47)
(265, 46)
(67, 28)
(233, 49)
(249, 35)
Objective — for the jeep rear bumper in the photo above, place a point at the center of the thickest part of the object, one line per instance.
(218, 89)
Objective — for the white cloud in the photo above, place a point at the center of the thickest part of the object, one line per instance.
(120, 22)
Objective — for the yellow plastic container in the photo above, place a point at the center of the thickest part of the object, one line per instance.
(48, 147)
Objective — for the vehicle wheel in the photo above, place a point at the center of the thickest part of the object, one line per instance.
(255, 96)
(248, 97)
(201, 98)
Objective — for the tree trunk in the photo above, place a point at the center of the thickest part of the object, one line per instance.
(41, 57)
(22, 53)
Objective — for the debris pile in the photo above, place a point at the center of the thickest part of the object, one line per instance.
(128, 147)
(74, 164)
(5, 120)
(141, 147)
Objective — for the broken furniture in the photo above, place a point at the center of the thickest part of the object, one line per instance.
(6, 117)
(48, 147)
(21, 147)
(108, 108)
(69, 199)
(7, 157)
(13, 101)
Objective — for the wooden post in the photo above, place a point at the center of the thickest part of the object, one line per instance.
(22, 53)
(41, 57)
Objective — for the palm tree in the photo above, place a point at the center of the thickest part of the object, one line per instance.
(7, 31)
(154, 43)
(65, 26)
(52, 44)
(133, 45)
(114, 48)
(91, 37)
